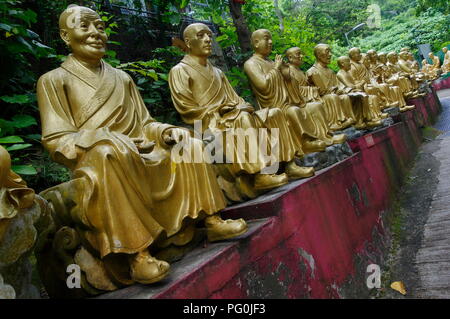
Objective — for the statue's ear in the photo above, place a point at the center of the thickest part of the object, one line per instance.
(177, 42)
(64, 36)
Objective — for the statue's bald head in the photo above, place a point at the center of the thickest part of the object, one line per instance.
(192, 29)
(259, 34)
(343, 62)
(320, 49)
(293, 51)
(70, 18)
(353, 52)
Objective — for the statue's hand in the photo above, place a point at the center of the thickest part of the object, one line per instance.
(175, 135)
(143, 148)
(246, 107)
(278, 62)
(225, 109)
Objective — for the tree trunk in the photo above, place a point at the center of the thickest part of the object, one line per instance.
(242, 30)
(279, 15)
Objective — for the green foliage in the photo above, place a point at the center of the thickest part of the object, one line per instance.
(440, 5)
(407, 30)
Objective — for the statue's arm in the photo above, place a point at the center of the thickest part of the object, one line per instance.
(259, 79)
(315, 79)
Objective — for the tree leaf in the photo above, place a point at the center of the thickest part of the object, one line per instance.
(21, 121)
(16, 99)
(24, 169)
(16, 147)
(11, 139)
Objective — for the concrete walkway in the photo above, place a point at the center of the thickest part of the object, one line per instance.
(433, 257)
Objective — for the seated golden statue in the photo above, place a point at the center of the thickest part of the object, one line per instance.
(339, 109)
(407, 84)
(389, 95)
(20, 212)
(201, 92)
(435, 62)
(303, 94)
(446, 64)
(271, 94)
(408, 64)
(430, 72)
(370, 113)
(127, 194)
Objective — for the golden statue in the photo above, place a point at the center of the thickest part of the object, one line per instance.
(127, 192)
(303, 94)
(20, 214)
(201, 92)
(370, 112)
(410, 87)
(389, 96)
(268, 86)
(436, 63)
(409, 65)
(446, 65)
(430, 72)
(339, 109)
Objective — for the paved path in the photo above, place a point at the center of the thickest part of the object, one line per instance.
(433, 257)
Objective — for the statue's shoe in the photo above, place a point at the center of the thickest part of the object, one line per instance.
(394, 104)
(339, 138)
(360, 126)
(269, 181)
(384, 115)
(335, 127)
(314, 146)
(348, 122)
(407, 108)
(219, 229)
(294, 171)
(374, 123)
(146, 269)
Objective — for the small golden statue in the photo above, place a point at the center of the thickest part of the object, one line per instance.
(368, 104)
(436, 63)
(389, 96)
(20, 213)
(339, 109)
(267, 82)
(446, 65)
(306, 96)
(410, 87)
(409, 65)
(127, 197)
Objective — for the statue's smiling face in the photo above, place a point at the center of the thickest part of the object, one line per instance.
(199, 40)
(86, 38)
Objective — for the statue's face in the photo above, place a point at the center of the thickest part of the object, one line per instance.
(404, 55)
(393, 58)
(345, 64)
(324, 55)
(445, 50)
(372, 55)
(199, 41)
(355, 55)
(263, 43)
(382, 58)
(87, 39)
(366, 61)
(431, 55)
(296, 57)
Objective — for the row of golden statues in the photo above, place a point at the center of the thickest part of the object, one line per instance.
(129, 208)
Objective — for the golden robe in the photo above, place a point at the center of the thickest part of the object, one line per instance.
(301, 93)
(199, 92)
(385, 92)
(392, 75)
(446, 65)
(338, 107)
(129, 199)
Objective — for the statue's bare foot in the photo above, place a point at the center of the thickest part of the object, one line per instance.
(146, 269)
(219, 229)
(339, 138)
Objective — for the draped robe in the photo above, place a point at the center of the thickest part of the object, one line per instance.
(301, 93)
(393, 76)
(199, 92)
(369, 109)
(338, 107)
(128, 199)
(275, 96)
(446, 64)
(392, 94)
